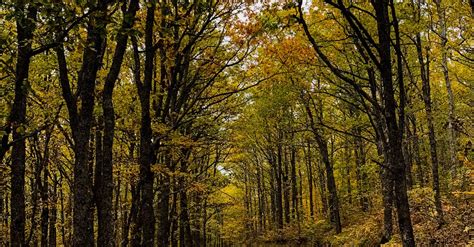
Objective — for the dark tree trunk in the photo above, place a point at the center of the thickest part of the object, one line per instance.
(294, 184)
(395, 158)
(53, 214)
(184, 224)
(260, 197)
(135, 221)
(131, 216)
(394, 129)
(333, 201)
(279, 189)
(204, 223)
(322, 188)
(81, 119)
(44, 191)
(35, 184)
(286, 187)
(387, 198)
(174, 217)
(273, 195)
(300, 213)
(25, 22)
(164, 226)
(145, 222)
(44, 211)
(63, 221)
(146, 152)
(105, 186)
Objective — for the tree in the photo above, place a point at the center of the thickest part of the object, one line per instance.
(392, 138)
(104, 183)
(80, 111)
(25, 21)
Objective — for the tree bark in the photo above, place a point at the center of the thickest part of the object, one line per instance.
(80, 110)
(53, 215)
(145, 222)
(164, 227)
(331, 186)
(333, 201)
(44, 191)
(444, 66)
(279, 187)
(105, 186)
(426, 91)
(322, 187)
(286, 186)
(294, 184)
(25, 22)
(394, 132)
(185, 225)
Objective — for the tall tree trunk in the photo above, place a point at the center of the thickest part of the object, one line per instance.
(185, 225)
(279, 191)
(45, 209)
(25, 23)
(260, 197)
(204, 223)
(81, 119)
(146, 152)
(146, 219)
(424, 70)
(331, 186)
(105, 187)
(333, 201)
(383, 62)
(300, 212)
(63, 220)
(294, 183)
(53, 215)
(387, 198)
(444, 66)
(396, 162)
(164, 219)
(44, 191)
(273, 189)
(135, 220)
(286, 186)
(35, 184)
(322, 188)
(174, 216)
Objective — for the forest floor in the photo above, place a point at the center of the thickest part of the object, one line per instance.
(365, 229)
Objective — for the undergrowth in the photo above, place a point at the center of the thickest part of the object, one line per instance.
(365, 229)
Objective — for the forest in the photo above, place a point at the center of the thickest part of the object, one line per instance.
(236, 123)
